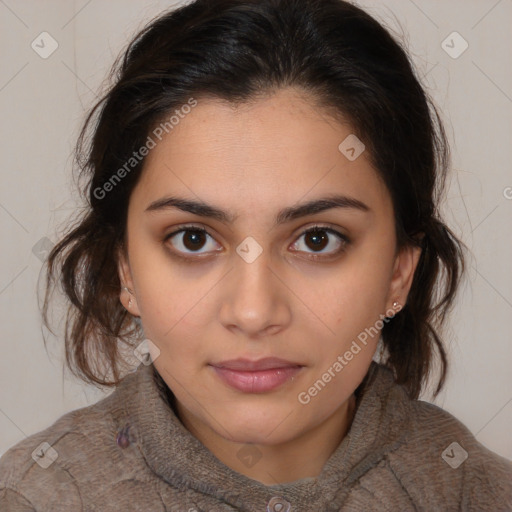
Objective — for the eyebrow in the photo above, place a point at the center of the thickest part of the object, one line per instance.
(287, 214)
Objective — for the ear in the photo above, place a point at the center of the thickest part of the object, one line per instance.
(406, 262)
(127, 298)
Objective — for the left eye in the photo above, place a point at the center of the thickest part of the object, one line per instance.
(318, 238)
(193, 239)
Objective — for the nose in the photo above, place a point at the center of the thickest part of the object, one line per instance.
(255, 298)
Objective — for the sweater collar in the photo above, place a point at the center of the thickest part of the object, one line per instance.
(179, 458)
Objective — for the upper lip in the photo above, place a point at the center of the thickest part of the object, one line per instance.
(247, 365)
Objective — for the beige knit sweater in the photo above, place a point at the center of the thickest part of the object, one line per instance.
(129, 452)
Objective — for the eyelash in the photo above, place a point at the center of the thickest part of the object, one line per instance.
(345, 241)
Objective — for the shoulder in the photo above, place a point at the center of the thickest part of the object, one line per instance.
(47, 470)
(440, 457)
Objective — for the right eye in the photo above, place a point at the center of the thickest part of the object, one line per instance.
(189, 240)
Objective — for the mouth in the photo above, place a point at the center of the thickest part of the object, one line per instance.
(258, 376)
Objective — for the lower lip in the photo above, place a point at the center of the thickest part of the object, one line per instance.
(257, 381)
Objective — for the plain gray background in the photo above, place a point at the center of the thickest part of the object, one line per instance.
(43, 102)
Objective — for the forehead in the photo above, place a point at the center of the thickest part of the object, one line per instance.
(276, 150)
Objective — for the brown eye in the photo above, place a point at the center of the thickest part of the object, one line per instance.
(191, 240)
(319, 238)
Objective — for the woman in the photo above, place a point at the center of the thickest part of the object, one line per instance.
(263, 180)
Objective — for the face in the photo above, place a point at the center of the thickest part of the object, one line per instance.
(251, 272)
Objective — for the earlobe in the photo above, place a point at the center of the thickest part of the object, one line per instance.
(403, 275)
(127, 294)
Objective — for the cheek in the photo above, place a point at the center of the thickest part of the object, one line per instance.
(164, 296)
(348, 299)
(365, 282)
(166, 318)
(346, 313)
(168, 290)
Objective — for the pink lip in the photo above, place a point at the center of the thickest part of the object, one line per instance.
(256, 376)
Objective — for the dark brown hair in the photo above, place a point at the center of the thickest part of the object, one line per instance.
(239, 50)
